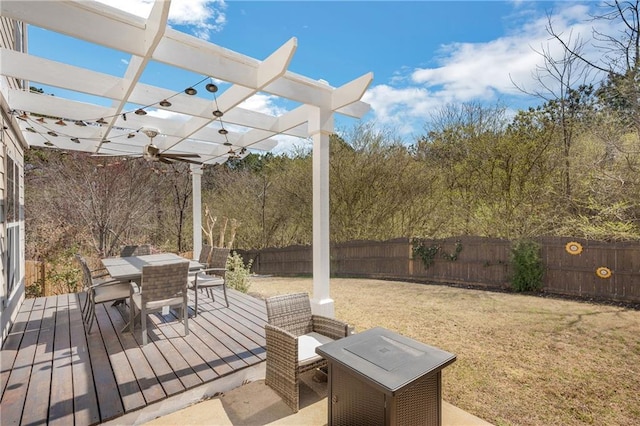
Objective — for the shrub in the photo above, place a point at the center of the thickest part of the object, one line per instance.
(526, 266)
(238, 273)
(63, 274)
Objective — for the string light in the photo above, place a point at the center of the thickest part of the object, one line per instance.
(141, 111)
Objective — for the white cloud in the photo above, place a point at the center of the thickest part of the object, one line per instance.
(478, 71)
(290, 144)
(263, 103)
(401, 107)
(202, 16)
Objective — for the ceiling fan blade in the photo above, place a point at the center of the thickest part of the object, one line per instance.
(184, 160)
(164, 160)
(117, 155)
(180, 155)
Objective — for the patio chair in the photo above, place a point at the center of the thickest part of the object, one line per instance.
(212, 276)
(292, 335)
(160, 285)
(128, 251)
(98, 291)
(205, 255)
(140, 250)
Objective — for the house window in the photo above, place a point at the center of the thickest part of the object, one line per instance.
(11, 202)
(12, 219)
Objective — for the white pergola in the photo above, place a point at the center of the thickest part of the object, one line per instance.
(188, 124)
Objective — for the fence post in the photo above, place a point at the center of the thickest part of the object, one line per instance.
(46, 286)
(410, 258)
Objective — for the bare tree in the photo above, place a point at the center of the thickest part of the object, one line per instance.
(176, 181)
(620, 58)
(564, 84)
(107, 198)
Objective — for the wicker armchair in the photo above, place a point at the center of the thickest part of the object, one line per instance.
(214, 275)
(98, 291)
(160, 285)
(292, 334)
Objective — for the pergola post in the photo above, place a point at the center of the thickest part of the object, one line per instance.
(196, 178)
(320, 128)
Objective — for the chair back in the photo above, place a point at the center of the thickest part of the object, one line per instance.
(205, 254)
(291, 312)
(164, 282)
(87, 280)
(218, 258)
(142, 250)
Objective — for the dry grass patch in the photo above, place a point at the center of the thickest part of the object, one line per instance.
(522, 360)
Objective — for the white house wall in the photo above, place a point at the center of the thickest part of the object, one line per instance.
(11, 146)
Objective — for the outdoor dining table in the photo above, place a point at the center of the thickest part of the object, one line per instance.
(129, 269)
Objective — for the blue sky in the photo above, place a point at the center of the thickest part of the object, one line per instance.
(424, 54)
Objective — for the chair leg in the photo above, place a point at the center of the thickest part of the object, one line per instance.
(196, 309)
(88, 306)
(224, 290)
(185, 317)
(85, 312)
(132, 316)
(143, 314)
(85, 304)
(91, 317)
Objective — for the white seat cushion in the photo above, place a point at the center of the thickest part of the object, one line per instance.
(105, 293)
(205, 280)
(307, 344)
(156, 304)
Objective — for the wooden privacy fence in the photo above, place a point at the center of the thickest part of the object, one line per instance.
(483, 262)
(34, 273)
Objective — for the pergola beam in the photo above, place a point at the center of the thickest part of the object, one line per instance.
(91, 21)
(350, 92)
(285, 122)
(154, 30)
(272, 68)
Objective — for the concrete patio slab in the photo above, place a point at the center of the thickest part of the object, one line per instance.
(256, 404)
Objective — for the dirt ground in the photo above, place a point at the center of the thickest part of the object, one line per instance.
(521, 360)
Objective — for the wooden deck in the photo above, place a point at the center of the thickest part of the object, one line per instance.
(53, 373)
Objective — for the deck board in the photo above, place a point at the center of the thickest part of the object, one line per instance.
(85, 403)
(110, 404)
(164, 374)
(34, 412)
(52, 372)
(148, 383)
(61, 399)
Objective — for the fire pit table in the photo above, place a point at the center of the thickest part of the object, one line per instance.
(381, 377)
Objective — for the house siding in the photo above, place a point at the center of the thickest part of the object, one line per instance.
(12, 147)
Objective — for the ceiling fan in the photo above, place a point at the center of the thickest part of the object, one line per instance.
(151, 152)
